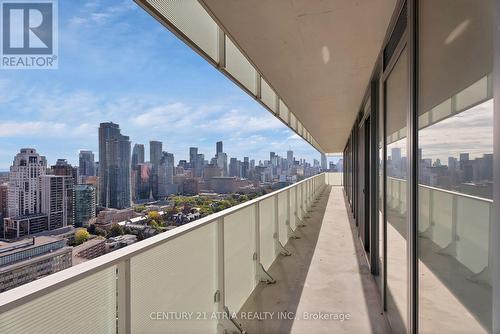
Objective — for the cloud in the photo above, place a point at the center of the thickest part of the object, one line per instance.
(32, 129)
(162, 115)
(93, 13)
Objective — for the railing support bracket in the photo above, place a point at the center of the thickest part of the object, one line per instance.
(283, 250)
(264, 276)
(301, 224)
(292, 234)
(229, 325)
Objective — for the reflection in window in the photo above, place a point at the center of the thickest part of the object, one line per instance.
(396, 214)
(457, 153)
(455, 166)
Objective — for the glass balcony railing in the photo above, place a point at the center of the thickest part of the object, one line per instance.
(188, 280)
(458, 224)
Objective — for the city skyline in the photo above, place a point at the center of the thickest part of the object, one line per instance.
(169, 93)
(75, 159)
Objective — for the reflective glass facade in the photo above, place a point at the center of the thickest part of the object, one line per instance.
(434, 170)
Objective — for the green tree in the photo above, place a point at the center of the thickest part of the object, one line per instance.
(154, 224)
(154, 215)
(139, 208)
(81, 235)
(116, 230)
(101, 232)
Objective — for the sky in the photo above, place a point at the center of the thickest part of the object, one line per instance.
(117, 63)
(470, 131)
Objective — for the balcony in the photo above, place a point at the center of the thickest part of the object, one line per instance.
(273, 255)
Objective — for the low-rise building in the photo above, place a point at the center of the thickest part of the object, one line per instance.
(120, 241)
(29, 259)
(108, 217)
(16, 227)
(89, 250)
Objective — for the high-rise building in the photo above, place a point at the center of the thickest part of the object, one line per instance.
(234, 167)
(210, 171)
(58, 200)
(137, 155)
(114, 167)
(219, 148)
(193, 155)
(86, 164)
(222, 163)
(85, 204)
(155, 154)
(143, 181)
(166, 175)
(63, 168)
(324, 165)
(200, 162)
(289, 158)
(24, 193)
(3, 201)
(245, 167)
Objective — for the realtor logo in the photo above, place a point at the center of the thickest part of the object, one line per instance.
(29, 34)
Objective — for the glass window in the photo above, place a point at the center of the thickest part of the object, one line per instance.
(396, 180)
(455, 166)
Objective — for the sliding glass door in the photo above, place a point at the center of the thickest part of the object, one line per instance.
(455, 165)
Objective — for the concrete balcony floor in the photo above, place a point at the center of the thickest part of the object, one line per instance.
(327, 272)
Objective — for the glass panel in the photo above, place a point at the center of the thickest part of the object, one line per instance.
(193, 21)
(176, 276)
(282, 211)
(239, 266)
(396, 164)
(239, 67)
(455, 166)
(267, 95)
(89, 302)
(267, 253)
(380, 188)
(284, 112)
(293, 121)
(293, 221)
(473, 94)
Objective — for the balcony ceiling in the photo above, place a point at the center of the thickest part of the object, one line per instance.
(318, 55)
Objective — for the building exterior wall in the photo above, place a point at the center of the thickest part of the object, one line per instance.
(24, 188)
(85, 204)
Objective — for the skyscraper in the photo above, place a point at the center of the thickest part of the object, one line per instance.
(142, 181)
(85, 204)
(3, 201)
(323, 162)
(58, 200)
(166, 175)
(233, 167)
(63, 168)
(24, 193)
(245, 167)
(155, 149)
(193, 155)
(155, 154)
(289, 159)
(137, 154)
(137, 159)
(199, 163)
(222, 163)
(219, 148)
(114, 167)
(86, 164)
